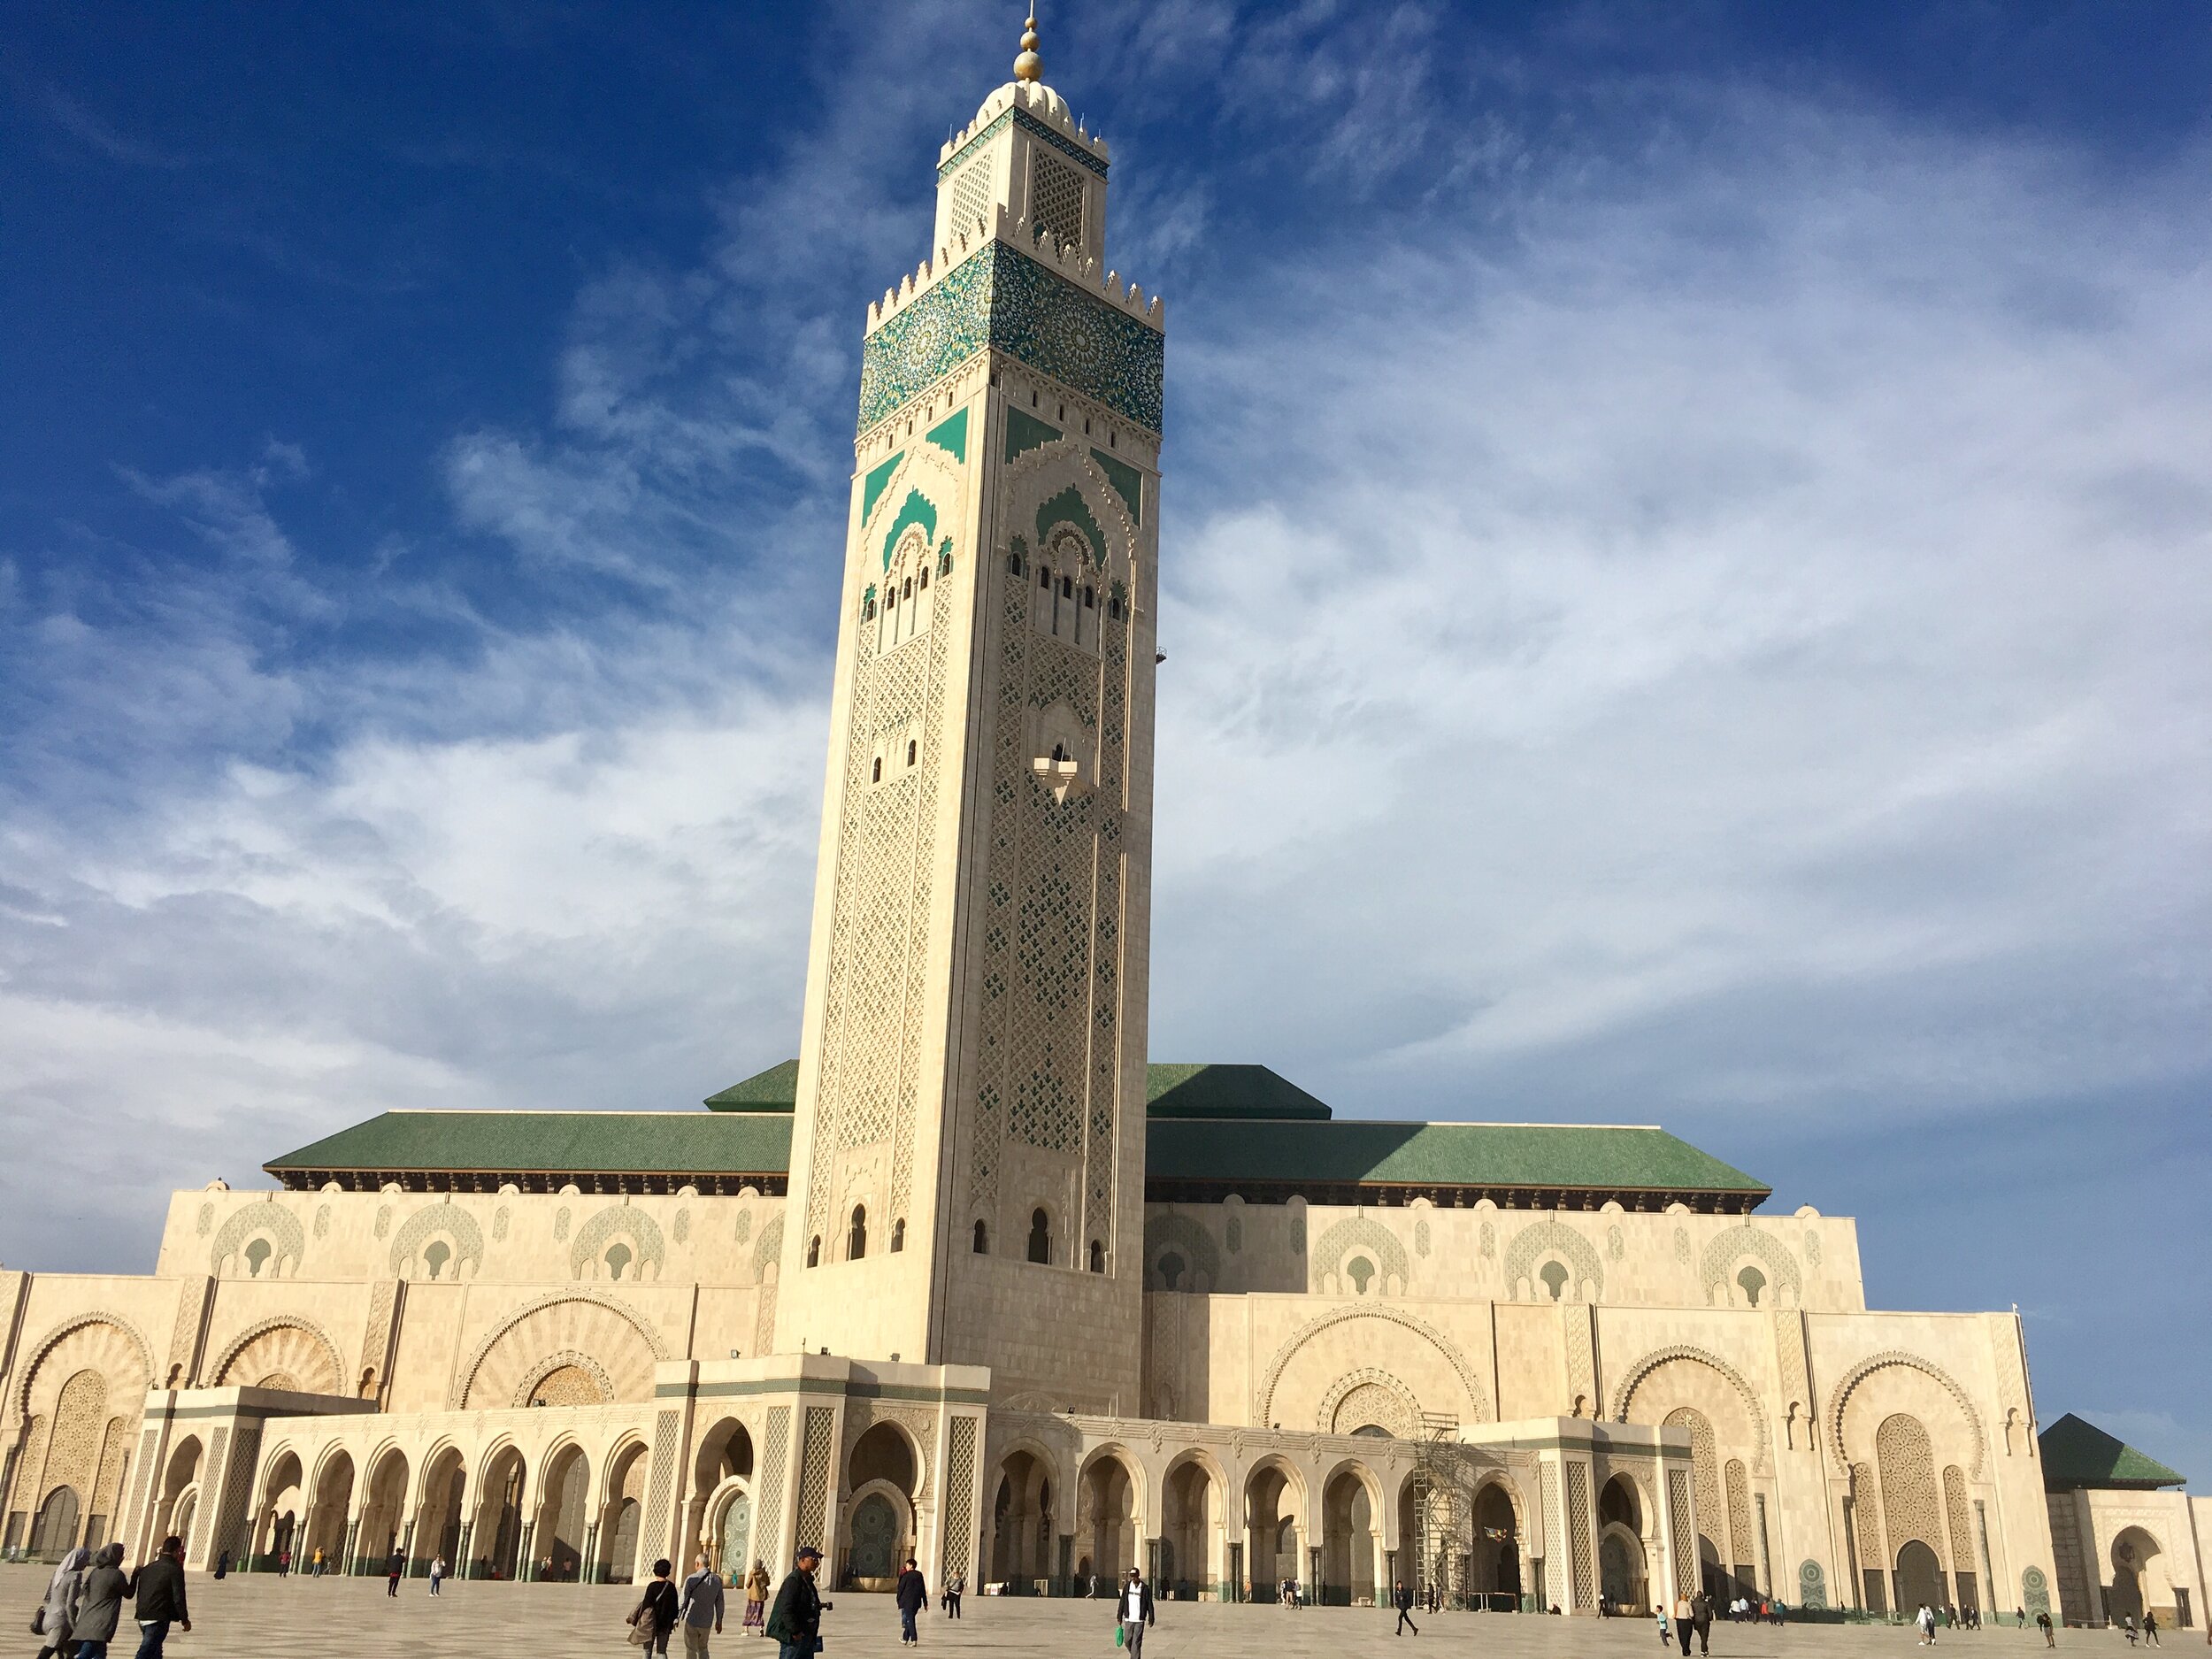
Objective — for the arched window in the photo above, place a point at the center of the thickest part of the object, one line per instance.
(924, 578)
(438, 1255)
(814, 1251)
(1171, 1270)
(617, 1258)
(1753, 1282)
(1067, 587)
(1044, 576)
(1040, 1236)
(910, 751)
(258, 1255)
(1059, 753)
(875, 769)
(906, 590)
(1360, 1270)
(1098, 1256)
(1555, 1276)
(1013, 564)
(898, 1235)
(1090, 597)
(856, 1235)
(982, 1240)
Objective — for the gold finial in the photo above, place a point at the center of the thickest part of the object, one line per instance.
(1029, 67)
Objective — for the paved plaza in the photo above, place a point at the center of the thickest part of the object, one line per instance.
(303, 1618)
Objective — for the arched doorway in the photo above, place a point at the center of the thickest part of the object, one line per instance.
(1191, 1529)
(734, 1534)
(1919, 1577)
(1107, 1522)
(181, 1471)
(722, 1466)
(1271, 1529)
(326, 1516)
(275, 1541)
(1021, 1524)
(384, 1516)
(2140, 1580)
(54, 1533)
(1347, 1540)
(496, 1540)
(556, 1544)
(1622, 1578)
(622, 1513)
(1494, 1561)
(884, 1476)
(181, 1519)
(444, 1499)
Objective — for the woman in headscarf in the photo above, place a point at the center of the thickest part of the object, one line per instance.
(61, 1599)
(100, 1603)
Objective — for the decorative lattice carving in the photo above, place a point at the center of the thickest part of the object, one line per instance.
(1705, 1465)
(106, 1497)
(287, 1345)
(236, 1475)
(1740, 1537)
(104, 1341)
(1421, 1238)
(376, 1331)
(1056, 198)
(1730, 1245)
(959, 1495)
(585, 1322)
(636, 1229)
(972, 197)
(184, 1335)
(1166, 1232)
(81, 1414)
(1635, 1375)
(204, 1516)
(1549, 1238)
(816, 1447)
(1866, 1510)
(1867, 1367)
(1682, 1543)
(1955, 1510)
(1905, 1459)
(446, 1220)
(1555, 1528)
(661, 1486)
(775, 1452)
(566, 1379)
(268, 1220)
(1359, 1234)
(1580, 1535)
(1582, 1363)
(1368, 1396)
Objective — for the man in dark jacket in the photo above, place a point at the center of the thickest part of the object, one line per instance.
(159, 1586)
(796, 1619)
(1401, 1599)
(913, 1597)
(1132, 1611)
(393, 1568)
(1701, 1619)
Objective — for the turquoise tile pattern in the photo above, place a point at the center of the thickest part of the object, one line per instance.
(1029, 124)
(1000, 297)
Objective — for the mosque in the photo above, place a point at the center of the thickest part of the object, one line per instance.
(972, 1279)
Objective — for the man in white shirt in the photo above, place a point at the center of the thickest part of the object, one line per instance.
(1134, 1608)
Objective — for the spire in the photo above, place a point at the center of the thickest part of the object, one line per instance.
(1029, 67)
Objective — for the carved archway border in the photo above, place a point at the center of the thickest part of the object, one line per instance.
(552, 1363)
(279, 1322)
(1265, 1397)
(53, 1338)
(1873, 1363)
(1652, 1361)
(466, 1378)
(1326, 1419)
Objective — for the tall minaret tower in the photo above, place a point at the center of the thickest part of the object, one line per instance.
(967, 1167)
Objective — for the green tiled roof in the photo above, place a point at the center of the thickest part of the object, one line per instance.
(2078, 1454)
(1171, 1091)
(551, 1143)
(1572, 1157)
(774, 1090)
(1226, 1091)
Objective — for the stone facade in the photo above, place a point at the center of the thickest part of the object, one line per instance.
(963, 1329)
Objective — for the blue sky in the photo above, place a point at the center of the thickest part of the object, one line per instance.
(1686, 559)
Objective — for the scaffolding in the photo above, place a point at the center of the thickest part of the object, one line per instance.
(1443, 1509)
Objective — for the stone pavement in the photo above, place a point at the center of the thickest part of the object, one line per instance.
(307, 1618)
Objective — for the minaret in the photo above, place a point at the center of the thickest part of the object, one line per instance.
(967, 1166)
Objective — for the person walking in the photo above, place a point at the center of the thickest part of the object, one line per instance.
(1925, 1620)
(1682, 1622)
(437, 1574)
(956, 1587)
(1132, 1611)
(57, 1616)
(656, 1610)
(701, 1606)
(100, 1598)
(2150, 1630)
(1401, 1599)
(796, 1621)
(157, 1588)
(1701, 1620)
(222, 1564)
(2127, 1624)
(913, 1596)
(1660, 1608)
(2043, 1623)
(318, 1572)
(757, 1597)
(393, 1568)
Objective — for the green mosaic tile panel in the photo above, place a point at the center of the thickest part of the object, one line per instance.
(1127, 482)
(917, 510)
(874, 485)
(951, 436)
(1000, 297)
(1025, 431)
(1069, 507)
